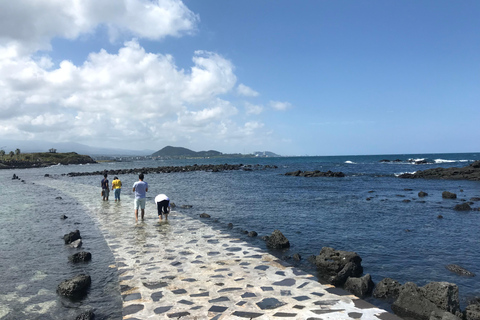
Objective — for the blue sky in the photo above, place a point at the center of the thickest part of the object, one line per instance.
(295, 78)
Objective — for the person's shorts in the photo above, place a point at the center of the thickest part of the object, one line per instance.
(106, 192)
(139, 203)
(162, 206)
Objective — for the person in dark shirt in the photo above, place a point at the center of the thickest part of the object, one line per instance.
(105, 189)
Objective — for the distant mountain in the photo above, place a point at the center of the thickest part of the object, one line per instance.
(265, 154)
(44, 146)
(179, 152)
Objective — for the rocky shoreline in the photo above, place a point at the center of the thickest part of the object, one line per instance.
(43, 160)
(176, 169)
(470, 172)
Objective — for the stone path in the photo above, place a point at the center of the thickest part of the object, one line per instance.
(185, 269)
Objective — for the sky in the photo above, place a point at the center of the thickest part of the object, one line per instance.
(306, 77)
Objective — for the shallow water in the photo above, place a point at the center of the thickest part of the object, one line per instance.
(403, 240)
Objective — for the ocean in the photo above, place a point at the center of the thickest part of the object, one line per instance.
(370, 211)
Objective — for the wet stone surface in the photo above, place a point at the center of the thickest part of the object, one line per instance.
(168, 271)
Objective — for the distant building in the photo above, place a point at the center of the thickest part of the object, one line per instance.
(52, 150)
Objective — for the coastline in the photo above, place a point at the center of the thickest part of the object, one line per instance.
(184, 268)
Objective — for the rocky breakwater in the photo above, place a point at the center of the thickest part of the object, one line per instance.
(315, 173)
(435, 300)
(470, 172)
(178, 169)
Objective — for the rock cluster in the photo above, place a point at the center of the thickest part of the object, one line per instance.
(75, 287)
(336, 265)
(176, 169)
(470, 172)
(72, 236)
(315, 173)
(277, 240)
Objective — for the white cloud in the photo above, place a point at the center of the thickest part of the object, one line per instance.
(128, 96)
(29, 25)
(132, 97)
(246, 91)
(253, 109)
(280, 106)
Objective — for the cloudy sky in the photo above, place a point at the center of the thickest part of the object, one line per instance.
(293, 77)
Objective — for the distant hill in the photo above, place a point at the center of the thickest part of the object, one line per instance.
(179, 152)
(44, 146)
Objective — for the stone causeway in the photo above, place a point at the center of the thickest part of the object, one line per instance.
(184, 269)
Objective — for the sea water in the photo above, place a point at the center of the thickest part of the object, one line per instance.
(370, 211)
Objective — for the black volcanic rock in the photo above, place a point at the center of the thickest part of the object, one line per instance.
(315, 173)
(72, 236)
(336, 266)
(75, 287)
(277, 240)
(470, 172)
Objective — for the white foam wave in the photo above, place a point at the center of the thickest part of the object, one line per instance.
(449, 161)
(350, 162)
(399, 174)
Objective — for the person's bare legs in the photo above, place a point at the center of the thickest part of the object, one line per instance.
(143, 213)
(136, 214)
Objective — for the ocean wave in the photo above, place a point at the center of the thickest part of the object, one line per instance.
(350, 162)
(399, 174)
(449, 161)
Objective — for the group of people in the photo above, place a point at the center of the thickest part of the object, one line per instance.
(140, 188)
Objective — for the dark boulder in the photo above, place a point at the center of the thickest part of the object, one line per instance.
(459, 270)
(297, 257)
(252, 234)
(463, 207)
(420, 303)
(204, 215)
(336, 265)
(387, 289)
(76, 287)
(72, 236)
(444, 295)
(361, 287)
(448, 195)
(82, 256)
(186, 206)
(63, 217)
(472, 311)
(277, 240)
(422, 194)
(230, 226)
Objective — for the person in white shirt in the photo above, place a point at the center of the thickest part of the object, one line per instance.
(163, 205)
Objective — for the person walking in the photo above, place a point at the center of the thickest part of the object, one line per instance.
(117, 188)
(105, 188)
(163, 205)
(140, 188)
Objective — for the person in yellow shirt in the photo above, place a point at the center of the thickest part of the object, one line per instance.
(116, 187)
